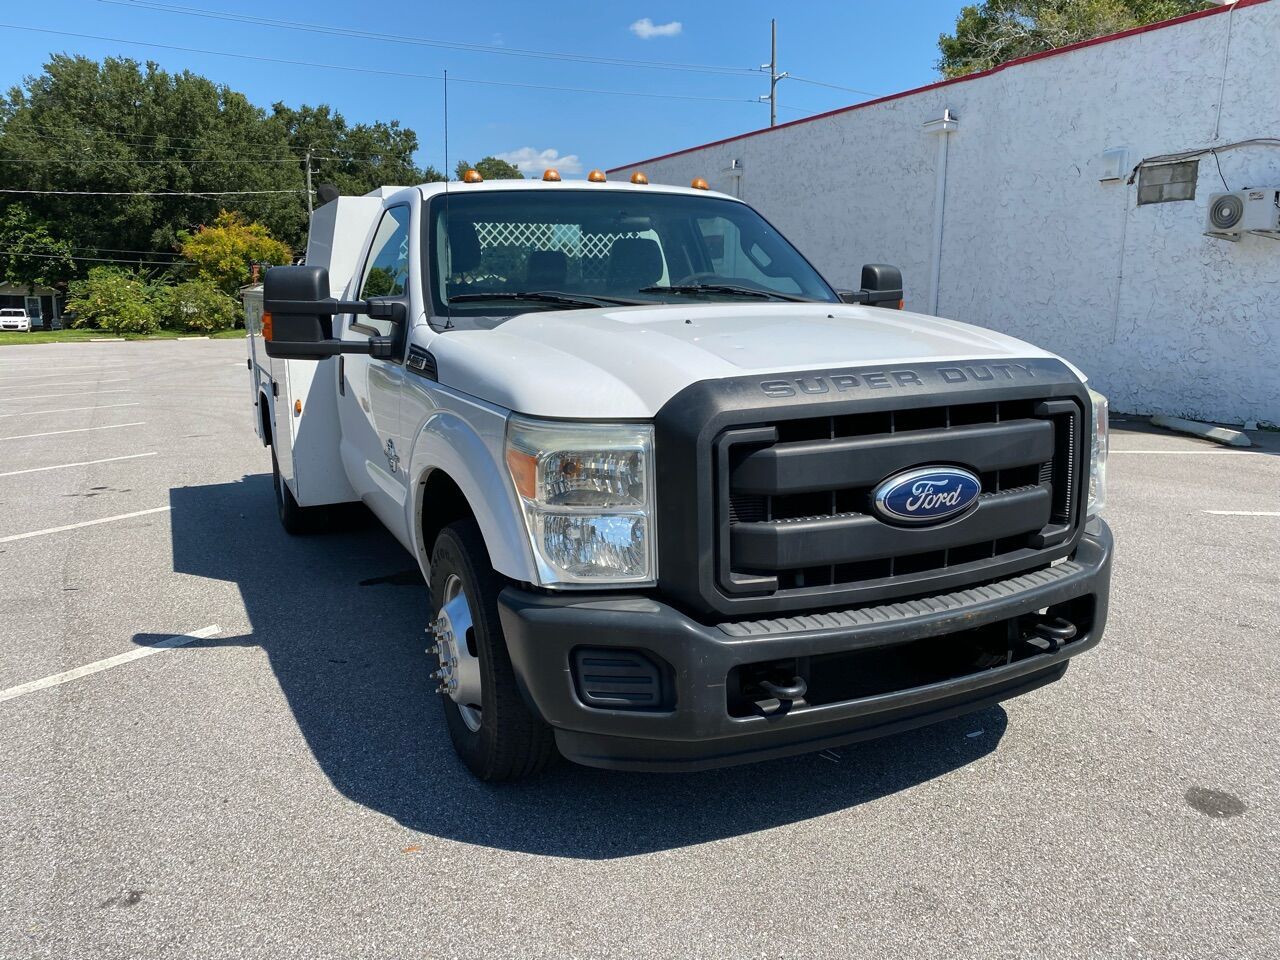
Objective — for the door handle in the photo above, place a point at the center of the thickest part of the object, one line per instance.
(342, 381)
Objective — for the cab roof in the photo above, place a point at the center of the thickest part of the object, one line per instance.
(461, 189)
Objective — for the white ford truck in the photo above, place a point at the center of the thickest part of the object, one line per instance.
(679, 501)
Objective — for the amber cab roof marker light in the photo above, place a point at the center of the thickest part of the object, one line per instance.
(596, 176)
(699, 184)
(551, 175)
(472, 176)
(639, 177)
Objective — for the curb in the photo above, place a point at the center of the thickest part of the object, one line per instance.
(1207, 431)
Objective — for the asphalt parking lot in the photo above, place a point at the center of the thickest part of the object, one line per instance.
(282, 785)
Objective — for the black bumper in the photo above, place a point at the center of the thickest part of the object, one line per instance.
(695, 729)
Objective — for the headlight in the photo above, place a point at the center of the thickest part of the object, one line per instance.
(587, 494)
(1098, 454)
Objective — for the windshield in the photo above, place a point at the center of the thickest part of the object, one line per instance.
(13, 313)
(602, 247)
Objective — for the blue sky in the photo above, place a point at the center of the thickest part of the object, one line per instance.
(876, 46)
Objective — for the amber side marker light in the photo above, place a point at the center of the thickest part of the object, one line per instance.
(524, 472)
(551, 175)
(472, 176)
(639, 177)
(297, 408)
(699, 184)
(266, 325)
(596, 176)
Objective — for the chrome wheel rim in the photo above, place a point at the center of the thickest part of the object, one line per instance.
(459, 672)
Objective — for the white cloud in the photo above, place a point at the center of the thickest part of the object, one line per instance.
(533, 161)
(646, 29)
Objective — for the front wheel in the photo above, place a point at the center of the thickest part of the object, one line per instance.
(492, 729)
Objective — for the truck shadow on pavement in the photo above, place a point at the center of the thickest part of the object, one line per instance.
(340, 617)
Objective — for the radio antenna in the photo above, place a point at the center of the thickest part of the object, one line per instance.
(448, 256)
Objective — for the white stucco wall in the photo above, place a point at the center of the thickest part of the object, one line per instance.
(1162, 318)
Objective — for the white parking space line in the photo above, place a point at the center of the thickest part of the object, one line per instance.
(78, 463)
(54, 433)
(1243, 513)
(76, 526)
(72, 383)
(81, 394)
(168, 643)
(10, 373)
(1202, 453)
(62, 373)
(40, 413)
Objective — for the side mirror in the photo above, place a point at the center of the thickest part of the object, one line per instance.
(881, 287)
(297, 320)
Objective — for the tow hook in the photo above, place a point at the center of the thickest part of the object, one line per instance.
(795, 690)
(781, 695)
(1050, 634)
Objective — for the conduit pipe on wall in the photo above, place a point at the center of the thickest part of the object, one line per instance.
(943, 128)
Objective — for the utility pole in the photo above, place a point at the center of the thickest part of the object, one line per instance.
(774, 75)
(309, 210)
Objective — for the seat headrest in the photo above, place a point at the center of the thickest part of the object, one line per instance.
(635, 262)
(546, 270)
(464, 246)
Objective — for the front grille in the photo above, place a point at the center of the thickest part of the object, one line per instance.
(764, 484)
(794, 497)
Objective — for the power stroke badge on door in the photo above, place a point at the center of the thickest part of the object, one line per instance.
(926, 495)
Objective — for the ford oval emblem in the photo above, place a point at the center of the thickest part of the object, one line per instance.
(927, 495)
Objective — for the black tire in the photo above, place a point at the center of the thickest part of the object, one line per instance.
(511, 743)
(296, 520)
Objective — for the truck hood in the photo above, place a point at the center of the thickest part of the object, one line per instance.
(626, 362)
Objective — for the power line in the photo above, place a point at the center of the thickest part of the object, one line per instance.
(67, 256)
(385, 73)
(832, 86)
(150, 193)
(181, 160)
(429, 41)
(149, 140)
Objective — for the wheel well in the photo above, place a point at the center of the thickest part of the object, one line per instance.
(442, 503)
(264, 415)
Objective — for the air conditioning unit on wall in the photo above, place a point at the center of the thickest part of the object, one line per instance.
(1231, 215)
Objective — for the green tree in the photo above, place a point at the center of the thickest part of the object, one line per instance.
(196, 305)
(224, 253)
(491, 168)
(995, 31)
(355, 159)
(112, 299)
(29, 255)
(167, 144)
(120, 127)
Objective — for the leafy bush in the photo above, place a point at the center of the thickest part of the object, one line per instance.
(112, 299)
(223, 252)
(196, 305)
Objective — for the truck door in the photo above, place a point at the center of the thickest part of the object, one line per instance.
(369, 388)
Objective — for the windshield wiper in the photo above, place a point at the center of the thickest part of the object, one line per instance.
(547, 296)
(730, 288)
